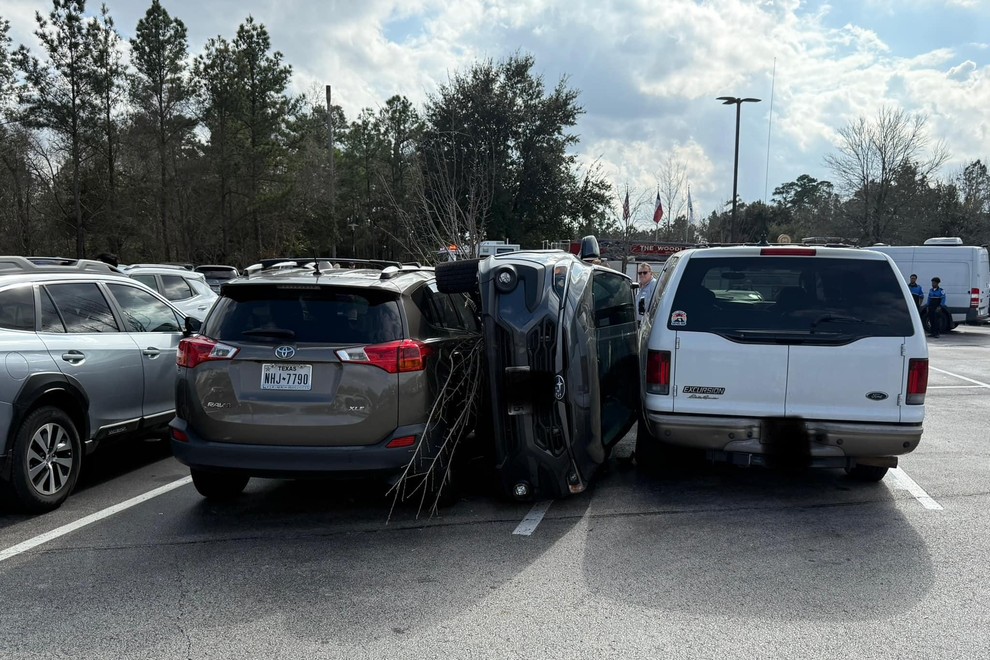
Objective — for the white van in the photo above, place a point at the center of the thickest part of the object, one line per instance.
(491, 248)
(783, 355)
(963, 269)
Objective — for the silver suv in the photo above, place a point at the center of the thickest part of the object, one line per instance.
(88, 357)
(310, 367)
(187, 290)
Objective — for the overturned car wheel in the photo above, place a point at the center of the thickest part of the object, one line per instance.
(457, 276)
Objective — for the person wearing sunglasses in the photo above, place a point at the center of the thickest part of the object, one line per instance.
(644, 275)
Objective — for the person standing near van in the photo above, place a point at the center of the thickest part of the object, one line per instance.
(916, 290)
(647, 283)
(936, 299)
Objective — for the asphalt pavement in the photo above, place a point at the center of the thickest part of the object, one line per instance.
(710, 562)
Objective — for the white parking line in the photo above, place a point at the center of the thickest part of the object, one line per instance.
(968, 380)
(533, 518)
(956, 387)
(15, 550)
(898, 478)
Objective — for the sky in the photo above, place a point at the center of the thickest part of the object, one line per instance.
(648, 72)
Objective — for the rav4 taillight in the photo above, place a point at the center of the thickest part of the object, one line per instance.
(658, 372)
(974, 298)
(194, 351)
(917, 384)
(395, 357)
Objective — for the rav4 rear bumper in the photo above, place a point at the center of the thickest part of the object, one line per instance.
(824, 443)
(287, 461)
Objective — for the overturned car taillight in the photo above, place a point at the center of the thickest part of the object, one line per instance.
(658, 372)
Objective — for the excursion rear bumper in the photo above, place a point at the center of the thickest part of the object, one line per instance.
(753, 440)
(285, 461)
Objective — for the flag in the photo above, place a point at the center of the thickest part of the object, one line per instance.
(690, 209)
(658, 211)
(625, 208)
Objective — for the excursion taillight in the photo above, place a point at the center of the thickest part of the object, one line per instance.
(789, 251)
(193, 351)
(658, 372)
(917, 384)
(395, 357)
(974, 298)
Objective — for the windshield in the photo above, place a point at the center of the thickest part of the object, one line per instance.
(797, 295)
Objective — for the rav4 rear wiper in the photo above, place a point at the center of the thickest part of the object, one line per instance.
(836, 318)
(277, 333)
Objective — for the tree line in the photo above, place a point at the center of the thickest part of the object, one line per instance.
(167, 156)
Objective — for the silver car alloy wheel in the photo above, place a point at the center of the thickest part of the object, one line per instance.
(49, 458)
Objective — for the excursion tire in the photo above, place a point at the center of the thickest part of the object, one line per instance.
(871, 473)
(219, 485)
(45, 460)
(649, 453)
(457, 276)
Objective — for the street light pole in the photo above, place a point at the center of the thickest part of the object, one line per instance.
(733, 100)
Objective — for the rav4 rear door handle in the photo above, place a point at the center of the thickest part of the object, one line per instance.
(74, 357)
(151, 352)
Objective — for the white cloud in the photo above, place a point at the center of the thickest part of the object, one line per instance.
(648, 71)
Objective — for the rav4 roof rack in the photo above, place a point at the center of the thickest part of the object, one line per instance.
(337, 262)
(12, 263)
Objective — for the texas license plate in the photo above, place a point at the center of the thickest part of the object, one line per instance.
(286, 376)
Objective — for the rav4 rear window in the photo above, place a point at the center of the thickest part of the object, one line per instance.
(751, 297)
(305, 315)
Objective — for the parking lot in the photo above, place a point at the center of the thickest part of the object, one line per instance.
(709, 563)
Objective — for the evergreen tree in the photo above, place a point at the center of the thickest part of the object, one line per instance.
(58, 94)
(161, 93)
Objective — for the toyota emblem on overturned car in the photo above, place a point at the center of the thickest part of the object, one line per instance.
(558, 388)
(284, 352)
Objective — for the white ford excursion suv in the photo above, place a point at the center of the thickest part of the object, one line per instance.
(783, 355)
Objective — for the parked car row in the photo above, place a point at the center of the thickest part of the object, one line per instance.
(754, 355)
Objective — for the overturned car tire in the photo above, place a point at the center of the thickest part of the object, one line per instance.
(457, 276)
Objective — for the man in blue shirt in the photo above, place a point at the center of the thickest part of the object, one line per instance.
(916, 290)
(936, 300)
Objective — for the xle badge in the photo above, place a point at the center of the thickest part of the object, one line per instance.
(678, 318)
(559, 390)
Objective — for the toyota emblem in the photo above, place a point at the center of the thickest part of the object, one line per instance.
(284, 352)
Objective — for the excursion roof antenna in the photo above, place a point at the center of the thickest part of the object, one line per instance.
(316, 265)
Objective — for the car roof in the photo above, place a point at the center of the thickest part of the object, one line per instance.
(162, 270)
(782, 250)
(392, 278)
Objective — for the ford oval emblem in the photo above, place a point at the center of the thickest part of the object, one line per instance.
(284, 352)
(559, 389)
(876, 396)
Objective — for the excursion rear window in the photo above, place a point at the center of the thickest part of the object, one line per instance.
(817, 296)
(305, 315)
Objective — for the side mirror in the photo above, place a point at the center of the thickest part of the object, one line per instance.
(192, 326)
(589, 248)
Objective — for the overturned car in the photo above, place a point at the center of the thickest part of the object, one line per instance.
(561, 363)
